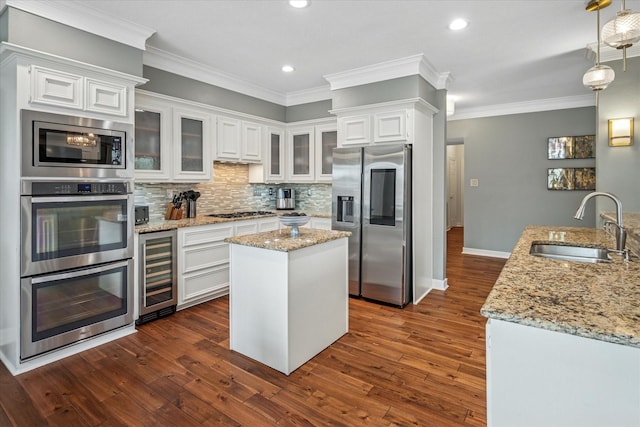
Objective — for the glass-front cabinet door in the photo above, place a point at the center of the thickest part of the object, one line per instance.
(192, 145)
(300, 157)
(326, 141)
(276, 155)
(152, 139)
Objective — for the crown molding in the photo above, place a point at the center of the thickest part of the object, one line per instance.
(176, 64)
(402, 67)
(78, 15)
(608, 53)
(537, 105)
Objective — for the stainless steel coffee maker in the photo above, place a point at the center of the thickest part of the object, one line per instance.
(285, 198)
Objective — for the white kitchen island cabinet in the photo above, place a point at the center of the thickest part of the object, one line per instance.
(563, 337)
(288, 297)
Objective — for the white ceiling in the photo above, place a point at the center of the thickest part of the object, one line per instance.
(514, 53)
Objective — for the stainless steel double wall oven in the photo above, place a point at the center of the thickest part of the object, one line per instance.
(76, 220)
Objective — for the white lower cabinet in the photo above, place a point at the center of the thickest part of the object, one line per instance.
(537, 377)
(203, 263)
(203, 256)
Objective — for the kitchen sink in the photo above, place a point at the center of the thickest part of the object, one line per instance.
(568, 252)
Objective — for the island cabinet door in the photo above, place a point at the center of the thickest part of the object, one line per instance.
(537, 377)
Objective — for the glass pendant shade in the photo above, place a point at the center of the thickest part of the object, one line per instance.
(598, 77)
(623, 30)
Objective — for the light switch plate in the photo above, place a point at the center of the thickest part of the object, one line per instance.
(473, 182)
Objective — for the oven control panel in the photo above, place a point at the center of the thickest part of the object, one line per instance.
(48, 188)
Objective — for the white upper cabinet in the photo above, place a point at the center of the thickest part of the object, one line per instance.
(238, 140)
(273, 166)
(390, 122)
(107, 98)
(390, 126)
(68, 90)
(251, 147)
(152, 140)
(355, 130)
(53, 87)
(192, 144)
(300, 154)
(228, 138)
(326, 139)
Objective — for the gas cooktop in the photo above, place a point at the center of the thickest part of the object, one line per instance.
(240, 214)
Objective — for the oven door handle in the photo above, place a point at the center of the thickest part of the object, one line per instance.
(65, 199)
(78, 273)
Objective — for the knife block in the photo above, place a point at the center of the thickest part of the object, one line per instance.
(172, 212)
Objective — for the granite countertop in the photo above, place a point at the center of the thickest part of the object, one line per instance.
(599, 301)
(169, 224)
(282, 241)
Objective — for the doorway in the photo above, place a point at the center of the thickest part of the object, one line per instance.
(455, 185)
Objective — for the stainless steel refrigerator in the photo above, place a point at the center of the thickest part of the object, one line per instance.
(371, 198)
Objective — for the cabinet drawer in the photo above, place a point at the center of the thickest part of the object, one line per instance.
(199, 235)
(199, 257)
(243, 228)
(206, 282)
(269, 225)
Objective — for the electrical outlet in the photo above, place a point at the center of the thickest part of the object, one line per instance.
(169, 193)
(473, 182)
(309, 192)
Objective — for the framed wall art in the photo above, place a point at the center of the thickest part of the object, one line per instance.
(571, 179)
(571, 147)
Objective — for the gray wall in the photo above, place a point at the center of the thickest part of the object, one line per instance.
(4, 25)
(312, 110)
(388, 90)
(619, 167)
(35, 32)
(508, 155)
(182, 87)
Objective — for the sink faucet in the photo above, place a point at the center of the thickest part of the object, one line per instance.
(621, 232)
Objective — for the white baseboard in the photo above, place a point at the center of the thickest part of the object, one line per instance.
(436, 284)
(440, 285)
(484, 252)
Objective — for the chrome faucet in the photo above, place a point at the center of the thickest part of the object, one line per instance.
(621, 232)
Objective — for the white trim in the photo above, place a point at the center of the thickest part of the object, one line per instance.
(440, 285)
(413, 101)
(588, 100)
(402, 67)
(78, 15)
(417, 299)
(608, 53)
(487, 253)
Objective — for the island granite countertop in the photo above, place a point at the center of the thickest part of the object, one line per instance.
(599, 301)
(281, 240)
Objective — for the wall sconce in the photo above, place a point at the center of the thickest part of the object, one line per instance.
(621, 132)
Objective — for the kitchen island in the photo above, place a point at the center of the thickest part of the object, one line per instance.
(288, 296)
(563, 337)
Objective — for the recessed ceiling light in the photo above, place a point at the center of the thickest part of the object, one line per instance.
(458, 24)
(288, 68)
(299, 4)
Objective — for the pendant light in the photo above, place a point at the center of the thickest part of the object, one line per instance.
(622, 31)
(599, 76)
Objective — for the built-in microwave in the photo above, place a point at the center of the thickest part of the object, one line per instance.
(56, 145)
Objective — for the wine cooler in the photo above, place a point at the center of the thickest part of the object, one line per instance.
(158, 275)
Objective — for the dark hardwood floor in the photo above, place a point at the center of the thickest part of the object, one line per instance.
(422, 366)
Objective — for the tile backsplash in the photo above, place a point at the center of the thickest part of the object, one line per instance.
(231, 191)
